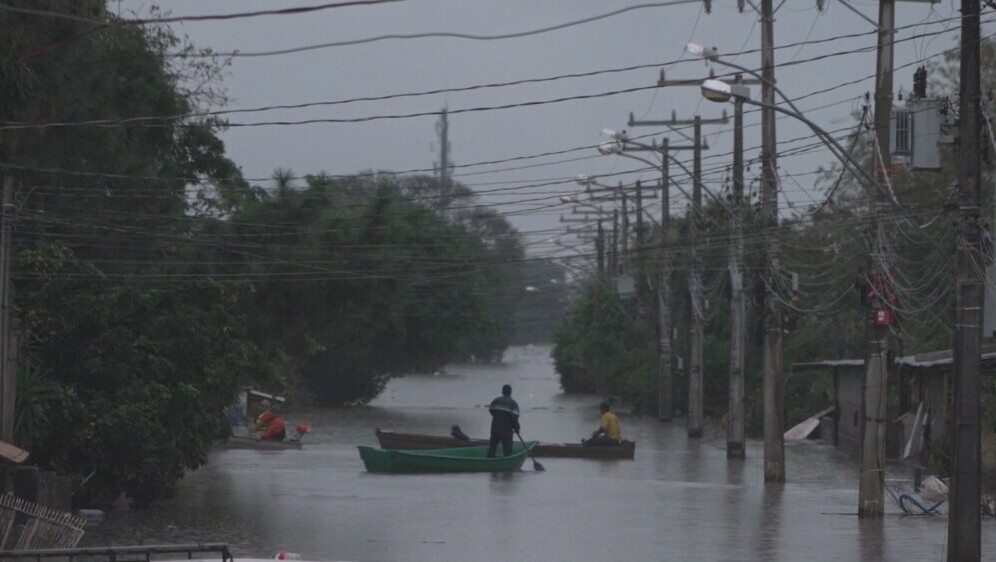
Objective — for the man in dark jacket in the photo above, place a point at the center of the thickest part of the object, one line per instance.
(504, 421)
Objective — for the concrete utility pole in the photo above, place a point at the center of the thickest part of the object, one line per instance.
(736, 429)
(696, 328)
(964, 521)
(773, 375)
(665, 399)
(871, 485)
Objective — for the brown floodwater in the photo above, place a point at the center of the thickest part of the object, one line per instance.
(679, 499)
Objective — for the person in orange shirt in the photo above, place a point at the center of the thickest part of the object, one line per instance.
(270, 424)
(608, 432)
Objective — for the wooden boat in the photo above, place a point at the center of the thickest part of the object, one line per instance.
(457, 459)
(243, 442)
(242, 438)
(413, 441)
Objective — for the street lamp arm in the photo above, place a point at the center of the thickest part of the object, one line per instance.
(843, 155)
(681, 165)
(657, 166)
(710, 54)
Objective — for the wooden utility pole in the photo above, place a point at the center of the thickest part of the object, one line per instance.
(641, 267)
(964, 521)
(665, 399)
(8, 362)
(614, 245)
(625, 231)
(871, 485)
(696, 416)
(444, 167)
(600, 249)
(736, 429)
(697, 324)
(773, 376)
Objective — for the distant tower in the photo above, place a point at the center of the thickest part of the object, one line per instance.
(444, 167)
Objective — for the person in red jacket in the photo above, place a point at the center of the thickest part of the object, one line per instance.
(270, 424)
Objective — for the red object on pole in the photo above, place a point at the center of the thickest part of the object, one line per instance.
(883, 317)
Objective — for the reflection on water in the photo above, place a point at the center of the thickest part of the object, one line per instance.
(680, 499)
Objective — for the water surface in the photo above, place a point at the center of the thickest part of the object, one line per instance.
(680, 499)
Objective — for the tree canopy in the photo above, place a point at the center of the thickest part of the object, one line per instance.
(152, 281)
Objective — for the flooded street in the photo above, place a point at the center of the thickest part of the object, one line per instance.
(680, 499)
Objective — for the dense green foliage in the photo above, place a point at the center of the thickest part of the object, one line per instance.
(152, 282)
(827, 244)
(602, 348)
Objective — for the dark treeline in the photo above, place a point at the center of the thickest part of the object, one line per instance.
(152, 281)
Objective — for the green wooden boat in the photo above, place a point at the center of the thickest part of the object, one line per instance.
(457, 459)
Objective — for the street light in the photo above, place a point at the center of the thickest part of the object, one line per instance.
(712, 55)
(719, 91)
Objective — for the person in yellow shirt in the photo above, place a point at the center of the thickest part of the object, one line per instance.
(608, 432)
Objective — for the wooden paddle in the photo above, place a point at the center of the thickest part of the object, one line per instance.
(536, 465)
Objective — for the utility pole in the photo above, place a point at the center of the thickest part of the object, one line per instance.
(444, 166)
(695, 383)
(641, 268)
(584, 233)
(736, 429)
(600, 249)
(771, 349)
(8, 355)
(665, 399)
(695, 372)
(625, 230)
(871, 485)
(614, 248)
(964, 521)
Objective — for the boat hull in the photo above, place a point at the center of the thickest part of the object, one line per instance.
(414, 441)
(458, 459)
(242, 442)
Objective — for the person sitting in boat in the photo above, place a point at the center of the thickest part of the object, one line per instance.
(270, 424)
(504, 421)
(608, 431)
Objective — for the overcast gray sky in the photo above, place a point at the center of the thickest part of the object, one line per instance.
(829, 89)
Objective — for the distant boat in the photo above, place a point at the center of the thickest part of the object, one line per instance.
(242, 442)
(241, 438)
(413, 441)
(458, 459)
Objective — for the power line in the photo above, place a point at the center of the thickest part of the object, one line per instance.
(332, 44)
(175, 19)
(169, 120)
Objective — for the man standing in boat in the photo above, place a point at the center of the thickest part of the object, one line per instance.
(608, 431)
(504, 421)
